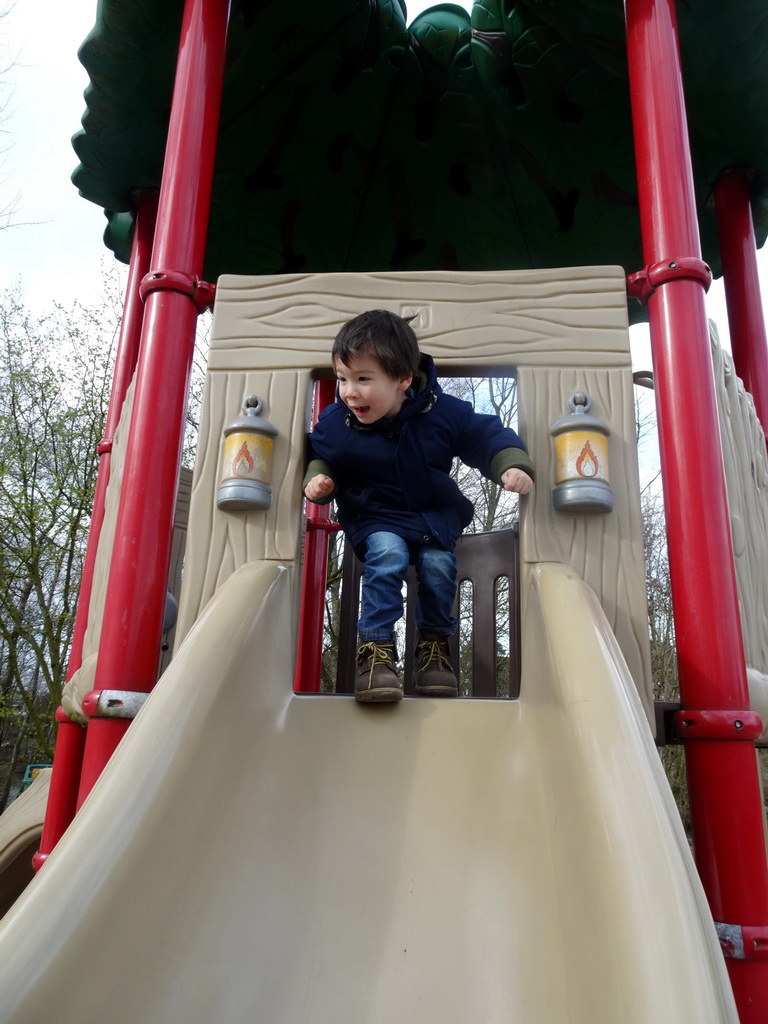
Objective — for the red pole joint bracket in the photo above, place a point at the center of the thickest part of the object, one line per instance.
(113, 703)
(743, 941)
(104, 447)
(718, 725)
(644, 283)
(323, 524)
(202, 293)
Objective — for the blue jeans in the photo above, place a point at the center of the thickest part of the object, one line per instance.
(386, 563)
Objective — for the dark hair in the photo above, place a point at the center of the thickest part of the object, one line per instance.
(383, 334)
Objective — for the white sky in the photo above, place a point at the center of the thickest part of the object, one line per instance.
(56, 251)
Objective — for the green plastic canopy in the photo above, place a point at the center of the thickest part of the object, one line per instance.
(352, 141)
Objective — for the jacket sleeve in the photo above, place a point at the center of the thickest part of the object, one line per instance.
(314, 467)
(486, 444)
(511, 458)
(320, 458)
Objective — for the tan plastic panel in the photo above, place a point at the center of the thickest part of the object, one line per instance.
(250, 855)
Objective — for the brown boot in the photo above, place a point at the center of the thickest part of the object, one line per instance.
(434, 675)
(376, 679)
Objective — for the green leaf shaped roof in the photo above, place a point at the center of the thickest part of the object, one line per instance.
(350, 141)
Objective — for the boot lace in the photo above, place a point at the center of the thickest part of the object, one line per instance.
(430, 651)
(379, 654)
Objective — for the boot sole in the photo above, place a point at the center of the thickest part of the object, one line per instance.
(436, 691)
(379, 695)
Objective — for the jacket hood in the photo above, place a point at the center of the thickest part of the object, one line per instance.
(424, 390)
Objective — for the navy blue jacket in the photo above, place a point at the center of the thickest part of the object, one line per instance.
(394, 475)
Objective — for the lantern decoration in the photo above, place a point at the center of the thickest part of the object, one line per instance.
(247, 469)
(581, 460)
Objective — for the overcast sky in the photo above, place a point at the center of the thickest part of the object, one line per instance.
(55, 249)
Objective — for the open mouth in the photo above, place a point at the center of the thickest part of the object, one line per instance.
(360, 410)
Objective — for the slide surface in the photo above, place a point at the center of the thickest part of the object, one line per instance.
(251, 855)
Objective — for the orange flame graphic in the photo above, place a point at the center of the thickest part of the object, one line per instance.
(242, 464)
(586, 464)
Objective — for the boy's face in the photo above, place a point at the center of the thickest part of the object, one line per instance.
(367, 390)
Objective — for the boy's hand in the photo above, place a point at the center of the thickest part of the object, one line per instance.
(319, 487)
(516, 480)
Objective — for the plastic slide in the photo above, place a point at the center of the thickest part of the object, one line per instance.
(251, 855)
(21, 826)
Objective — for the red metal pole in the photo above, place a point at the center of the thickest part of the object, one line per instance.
(65, 778)
(70, 739)
(125, 364)
(726, 805)
(174, 295)
(314, 575)
(742, 286)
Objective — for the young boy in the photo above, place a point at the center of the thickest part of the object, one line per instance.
(384, 451)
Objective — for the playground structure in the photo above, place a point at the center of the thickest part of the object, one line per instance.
(593, 808)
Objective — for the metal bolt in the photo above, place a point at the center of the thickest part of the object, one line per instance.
(673, 266)
(738, 725)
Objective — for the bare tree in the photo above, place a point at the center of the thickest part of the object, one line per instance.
(495, 508)
(196, 389)
(54, 385)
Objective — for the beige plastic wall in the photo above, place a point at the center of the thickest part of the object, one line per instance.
(560, 331)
